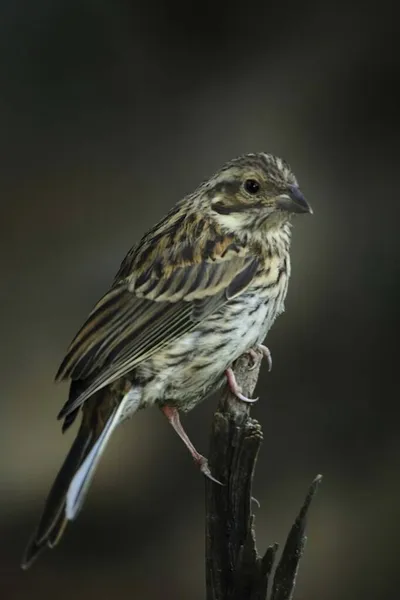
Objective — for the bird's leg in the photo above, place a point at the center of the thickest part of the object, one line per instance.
(172, 415)
(235, 388)
(264, 351)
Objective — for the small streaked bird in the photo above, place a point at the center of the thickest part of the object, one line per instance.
(200, 289)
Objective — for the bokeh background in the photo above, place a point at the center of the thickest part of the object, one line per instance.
(110, 112)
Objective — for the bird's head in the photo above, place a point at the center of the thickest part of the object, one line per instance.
(254, 193)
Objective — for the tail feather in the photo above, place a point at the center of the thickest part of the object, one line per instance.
(57, 531)
(35, 548)
(54, 509)
(72, 482)
(82, 479)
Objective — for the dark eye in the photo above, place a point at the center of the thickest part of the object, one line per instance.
(251, 186)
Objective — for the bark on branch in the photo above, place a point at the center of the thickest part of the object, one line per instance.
(234, 569)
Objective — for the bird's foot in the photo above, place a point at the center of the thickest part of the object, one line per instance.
(264, 351)
(202, 462)
(172, 415)
(235, 388)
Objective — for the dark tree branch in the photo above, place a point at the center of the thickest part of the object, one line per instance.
(234, 569)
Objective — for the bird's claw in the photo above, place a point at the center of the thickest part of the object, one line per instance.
(264, 351)
(245, 399)
(235, 388)
(205, 469)
(253, 355)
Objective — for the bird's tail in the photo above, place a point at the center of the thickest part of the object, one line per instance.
(70, 487)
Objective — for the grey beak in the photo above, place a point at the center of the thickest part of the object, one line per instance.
(293, 201)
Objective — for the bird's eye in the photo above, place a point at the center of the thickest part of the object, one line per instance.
(251, 186)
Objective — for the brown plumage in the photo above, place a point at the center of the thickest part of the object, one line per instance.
(201, 287)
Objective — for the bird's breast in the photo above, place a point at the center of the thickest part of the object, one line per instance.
(190, 367)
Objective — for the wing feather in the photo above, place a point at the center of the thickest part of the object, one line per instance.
(137, 317)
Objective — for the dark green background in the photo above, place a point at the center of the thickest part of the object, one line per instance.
(109, 113)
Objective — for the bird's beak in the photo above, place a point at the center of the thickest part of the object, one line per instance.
(293, 201)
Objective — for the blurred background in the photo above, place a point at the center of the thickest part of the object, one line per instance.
(109, 113)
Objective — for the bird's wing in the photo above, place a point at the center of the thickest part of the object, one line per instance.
(152, 307)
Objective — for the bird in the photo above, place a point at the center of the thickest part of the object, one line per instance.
(201, 288)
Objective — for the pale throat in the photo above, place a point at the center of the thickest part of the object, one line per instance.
(278, 238)
(273, 234)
